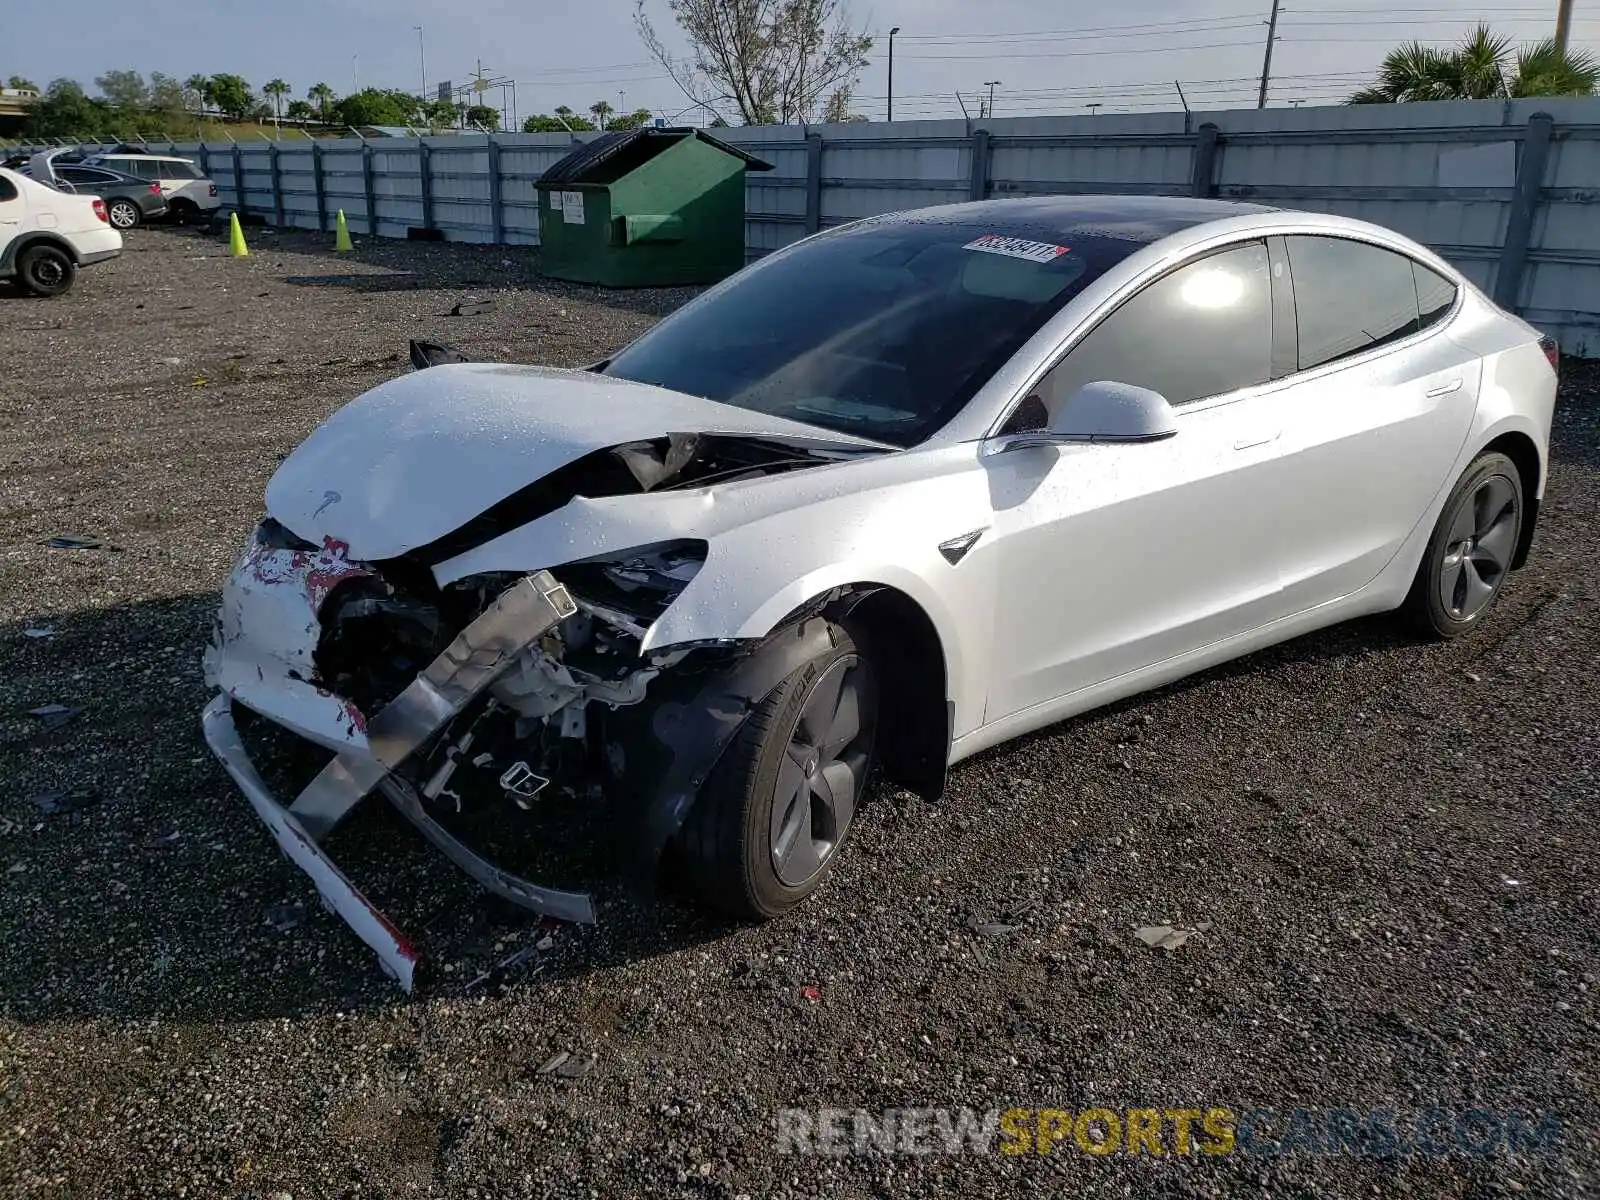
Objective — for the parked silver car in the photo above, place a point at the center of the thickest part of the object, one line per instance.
(891, 496)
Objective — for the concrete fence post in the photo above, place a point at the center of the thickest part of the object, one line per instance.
(277, 186)
(496, 216)
(317, 186)
(370, 189)
(239, 201)
(1203, 172)
(425, 182)
(978, 187)
(813, 182)
(1524, 208)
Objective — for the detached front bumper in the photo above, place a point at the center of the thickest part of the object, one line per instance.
(366, 757)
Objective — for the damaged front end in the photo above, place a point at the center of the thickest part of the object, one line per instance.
(504, 683)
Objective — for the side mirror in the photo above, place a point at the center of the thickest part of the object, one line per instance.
(1105, 411)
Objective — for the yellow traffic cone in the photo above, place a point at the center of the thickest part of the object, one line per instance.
(236, 246)
(341, 237)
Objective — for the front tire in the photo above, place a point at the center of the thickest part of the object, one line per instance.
(123, 214)
(45, 270)
(1468, 558)
(773, 814)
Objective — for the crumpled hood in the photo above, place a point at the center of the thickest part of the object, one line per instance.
(419, 456)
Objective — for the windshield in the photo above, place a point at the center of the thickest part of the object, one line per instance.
(883, 331)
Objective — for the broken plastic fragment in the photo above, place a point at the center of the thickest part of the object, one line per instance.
(54, 716)
(75, 542)
(54, 804)
(43, 631)
(1169, 937)
(284, 917)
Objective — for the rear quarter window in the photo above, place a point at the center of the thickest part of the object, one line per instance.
(1349, 297)
(8, 190)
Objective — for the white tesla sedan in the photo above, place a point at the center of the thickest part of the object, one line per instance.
(889, 497)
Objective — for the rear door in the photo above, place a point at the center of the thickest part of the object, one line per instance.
(1376, 415)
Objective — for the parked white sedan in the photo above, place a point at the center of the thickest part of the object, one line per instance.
(46, 235)
(891, 496)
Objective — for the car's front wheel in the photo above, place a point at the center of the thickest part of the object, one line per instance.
(1468, 558)
(45, 270)
(771, 817)
(123, 214)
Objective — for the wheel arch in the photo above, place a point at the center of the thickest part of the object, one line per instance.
(35, 237)
(1522, 450)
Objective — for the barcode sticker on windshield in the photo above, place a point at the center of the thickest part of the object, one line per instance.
(1039, 252)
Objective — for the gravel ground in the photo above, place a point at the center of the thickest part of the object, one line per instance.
(1392, 844)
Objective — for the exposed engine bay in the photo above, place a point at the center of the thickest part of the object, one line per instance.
(499, 687)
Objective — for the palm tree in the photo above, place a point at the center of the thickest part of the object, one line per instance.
(194, 89)
(1483, 67)
(322, 96)
(601, 111)
(277, 89)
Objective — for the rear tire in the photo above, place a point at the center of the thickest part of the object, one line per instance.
(774, 812)
(123, 214)
(45, 270)
(1468, 558)
(183, 212)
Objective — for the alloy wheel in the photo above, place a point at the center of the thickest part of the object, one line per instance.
(823, 771)
(123, 215)
(1479, 549)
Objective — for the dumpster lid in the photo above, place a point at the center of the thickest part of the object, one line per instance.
(584, 165)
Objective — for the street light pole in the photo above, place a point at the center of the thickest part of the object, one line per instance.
(1563, 25)
(422, 58)
(892, 32)
(991, 85)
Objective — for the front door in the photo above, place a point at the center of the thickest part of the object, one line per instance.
(1116, 557)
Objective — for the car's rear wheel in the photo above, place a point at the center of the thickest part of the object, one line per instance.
(45, 270)
(770, 819)
(183, 212)
(1468, 558)
(123, 214)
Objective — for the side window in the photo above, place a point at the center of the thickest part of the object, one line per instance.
(1203, 330)
(140, 167)
(178, 170)
(1349, 297)
(8, 190)
(1435, 295)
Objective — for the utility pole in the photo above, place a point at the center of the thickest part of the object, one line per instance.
(991, 84)
(422, 58)
(892, 32)
(1563, 25)
(1266, 59)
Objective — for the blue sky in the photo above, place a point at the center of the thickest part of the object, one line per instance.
(1050, 55)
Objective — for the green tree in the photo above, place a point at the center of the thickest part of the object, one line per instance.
(66, 111)
(563, 121)
(166, 94)
(322, 96)
(1484, 66)
(21, 83)
(276, 90)
(637, 119)
(484, 116)
(299, 110)
(230, 95)
(123, 89)
(601, 111)
(376, 106)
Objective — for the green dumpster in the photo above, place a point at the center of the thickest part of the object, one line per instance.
(645, 208)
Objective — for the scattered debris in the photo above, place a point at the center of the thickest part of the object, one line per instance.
(54, 716)
(514, 961)
(564, 1065)
(1510, 882)
(1473, 677)
(813, 994)
(72, 541)
(471, 307)
(989, 928)
(170, 839)
(554, 1062)
(58, 804)
(1169, 937)
(17, 868)
(284, 917)
(41, 631)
